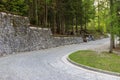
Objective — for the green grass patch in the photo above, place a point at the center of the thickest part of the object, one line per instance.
(104, 61)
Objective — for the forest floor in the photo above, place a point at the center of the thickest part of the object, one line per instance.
(117, 49)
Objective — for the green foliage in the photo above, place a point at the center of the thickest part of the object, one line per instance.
(14, 6)
(65, 10)
(114, 19)
(64, 15)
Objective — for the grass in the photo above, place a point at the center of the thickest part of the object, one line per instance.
(104, 61)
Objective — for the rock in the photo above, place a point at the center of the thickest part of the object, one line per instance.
(17, 36)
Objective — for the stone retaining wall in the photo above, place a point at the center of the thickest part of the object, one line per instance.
(17, 36)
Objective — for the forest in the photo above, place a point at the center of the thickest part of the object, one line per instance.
(69, 17)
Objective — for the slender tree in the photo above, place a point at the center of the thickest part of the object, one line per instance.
(111, 28)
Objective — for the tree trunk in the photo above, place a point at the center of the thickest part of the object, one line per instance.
(111, 32)
(63, 26)
(76, 25)
(98, 16)
(54, 28)
(46, 13)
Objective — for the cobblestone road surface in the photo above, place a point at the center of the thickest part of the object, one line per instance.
(50, 64)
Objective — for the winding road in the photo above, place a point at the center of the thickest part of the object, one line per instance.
(50, 64)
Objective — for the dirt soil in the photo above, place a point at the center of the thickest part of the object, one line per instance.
(117, 49)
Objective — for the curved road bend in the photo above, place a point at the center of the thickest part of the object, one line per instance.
(50, 64)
